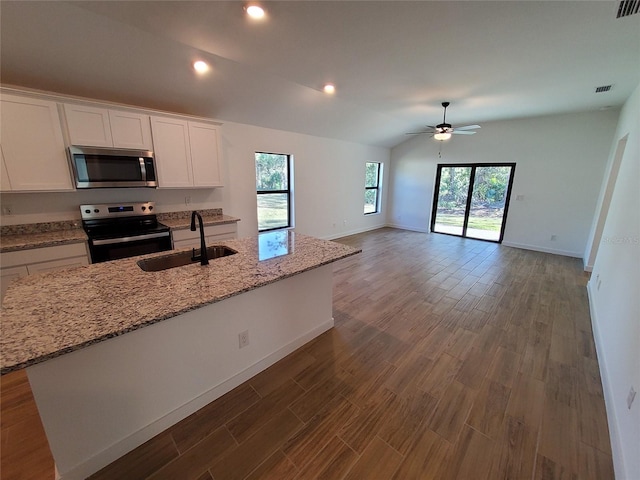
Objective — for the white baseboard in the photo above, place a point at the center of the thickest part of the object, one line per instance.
(616, 447)
(537, 248)
(352, 232)
(407, 227)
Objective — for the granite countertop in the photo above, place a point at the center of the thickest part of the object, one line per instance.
(50, 314)
(207, 220)
(39, 235)
(25, 241)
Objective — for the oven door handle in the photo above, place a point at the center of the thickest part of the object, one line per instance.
(147, 236)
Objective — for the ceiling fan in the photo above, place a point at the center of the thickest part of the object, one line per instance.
(443, 130)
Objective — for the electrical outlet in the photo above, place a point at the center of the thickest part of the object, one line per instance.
(554, 238)
(243, 339)
(599, 283)
(519, 197)
(344, 222)
(631, 397)
(7, 210)
(187, 200)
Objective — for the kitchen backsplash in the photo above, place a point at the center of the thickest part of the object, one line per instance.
(46, 207)
(43, 227)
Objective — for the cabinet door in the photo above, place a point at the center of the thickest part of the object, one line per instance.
(7, 275)
(32, 145)
(204, 155)
(88, 126)
(5, 184)
(130, 130)
(171, 149)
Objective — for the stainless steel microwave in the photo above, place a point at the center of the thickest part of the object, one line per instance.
(95, 167)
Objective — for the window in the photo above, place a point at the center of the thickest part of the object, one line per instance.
(373, 173)
(273, 186)
(472, 200)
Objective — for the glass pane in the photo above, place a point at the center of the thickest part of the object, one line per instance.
(487, 202)
(273, 211)
(370, 201)
(271, 171)
(371, 175)
(452, 199)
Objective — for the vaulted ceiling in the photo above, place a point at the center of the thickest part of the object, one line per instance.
(392, 62)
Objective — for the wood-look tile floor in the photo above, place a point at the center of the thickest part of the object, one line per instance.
(450, 359)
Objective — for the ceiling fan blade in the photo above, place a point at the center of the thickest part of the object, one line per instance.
(467, 127)
(463, 132)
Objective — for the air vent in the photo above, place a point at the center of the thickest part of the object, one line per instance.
(628, 7)
(603, 88)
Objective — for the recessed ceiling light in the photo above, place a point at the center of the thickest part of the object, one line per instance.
(255, 11)
(200, 66)
(329, 88)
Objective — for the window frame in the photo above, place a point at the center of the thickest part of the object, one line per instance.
(287, 191)
(473, 166)
(377, 187)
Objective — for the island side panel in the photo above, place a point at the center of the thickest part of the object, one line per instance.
(101, 402)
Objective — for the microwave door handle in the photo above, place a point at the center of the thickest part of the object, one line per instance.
(143, 169)
(147, 236)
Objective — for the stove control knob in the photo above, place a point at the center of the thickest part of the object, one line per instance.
(150, 207)
(87, 211)
(144, 208)
(96, 210)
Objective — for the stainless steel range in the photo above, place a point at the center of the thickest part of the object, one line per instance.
(120, 230)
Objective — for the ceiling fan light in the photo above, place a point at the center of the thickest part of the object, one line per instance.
(200, 66)
(442, 136)
(255, 11)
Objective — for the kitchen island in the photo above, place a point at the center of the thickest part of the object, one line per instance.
(116, 355)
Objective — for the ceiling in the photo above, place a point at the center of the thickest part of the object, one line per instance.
(393, 62)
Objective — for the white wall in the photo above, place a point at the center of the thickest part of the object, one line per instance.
(328, 182)
(328, 179)
(50, 206)
(560, 161)
(614, 294)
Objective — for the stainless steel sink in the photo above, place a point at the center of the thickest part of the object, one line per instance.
(174, 260)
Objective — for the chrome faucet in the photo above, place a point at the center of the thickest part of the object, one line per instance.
(204, 260)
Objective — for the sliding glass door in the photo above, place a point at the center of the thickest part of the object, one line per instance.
(472, 200)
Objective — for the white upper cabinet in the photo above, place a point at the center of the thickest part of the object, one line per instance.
(33, 148)
(101, 127)
(172, 152)
(88, 126)
(5, 184)
(130, 130)
(204, 155)
(186, 153)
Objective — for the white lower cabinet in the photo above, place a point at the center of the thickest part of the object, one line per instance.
(212, 234)
(40, 260)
